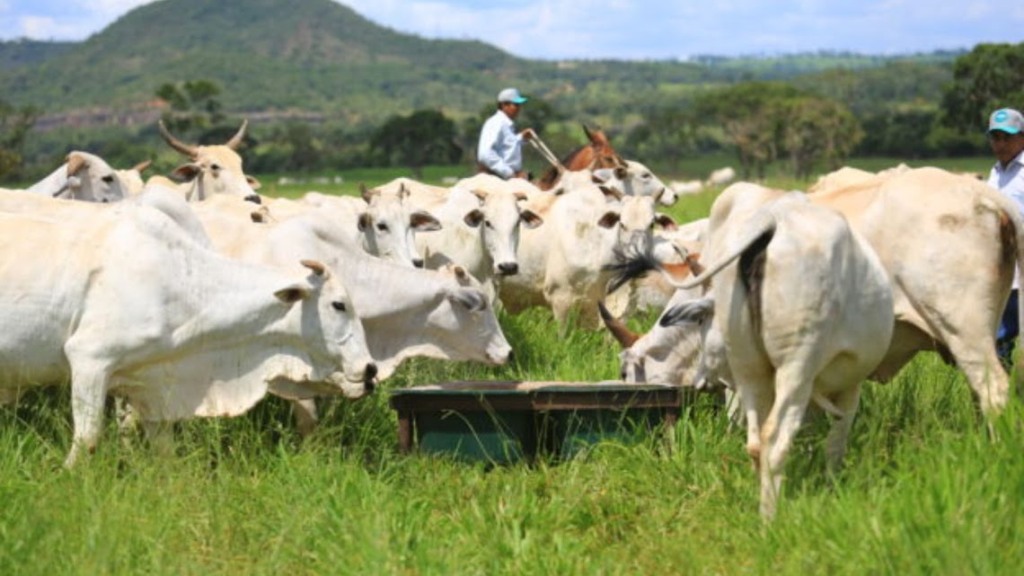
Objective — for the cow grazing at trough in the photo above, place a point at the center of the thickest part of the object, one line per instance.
(800, 309)
(127, 302)
(215, 169)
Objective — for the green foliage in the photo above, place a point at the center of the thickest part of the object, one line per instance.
(990, 76)
(14, 126)
(421, 138)
(194, 105)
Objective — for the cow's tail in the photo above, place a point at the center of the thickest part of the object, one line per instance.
(757, 233)
(635, 263)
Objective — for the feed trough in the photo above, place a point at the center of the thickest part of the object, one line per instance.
(507, 422)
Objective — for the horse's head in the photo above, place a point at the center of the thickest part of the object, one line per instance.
(593, 156)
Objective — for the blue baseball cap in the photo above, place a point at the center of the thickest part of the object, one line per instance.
(1006, 120)
(511, 95)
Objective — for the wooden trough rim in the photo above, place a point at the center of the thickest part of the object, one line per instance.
(521, 387)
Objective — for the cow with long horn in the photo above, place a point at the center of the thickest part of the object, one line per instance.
(213, 169)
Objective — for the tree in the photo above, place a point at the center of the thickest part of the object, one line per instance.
(815, 130)
(748, 113)
(668, 133)
(424, 137)
(14, 126)
(988, 77)
(194, 106)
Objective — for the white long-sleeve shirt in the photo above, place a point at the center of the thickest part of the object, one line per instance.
(500, 149)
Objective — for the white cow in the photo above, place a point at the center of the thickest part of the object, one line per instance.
(481, 222)
(384, 224)
(950, 244)
(389, 225)
(639, 180)
(215, 169)
(406, 312)
(85, 177)
(802, 310)
(686, 187)
(721, 176)
(129, 303)
(561, 264)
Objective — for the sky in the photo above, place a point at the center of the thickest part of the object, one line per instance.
(625, 29)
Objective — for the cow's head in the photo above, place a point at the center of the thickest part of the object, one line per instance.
(466, 325)
(91, 179)
(499, 218)
(390, 223)
(331, 332)
(214, 169)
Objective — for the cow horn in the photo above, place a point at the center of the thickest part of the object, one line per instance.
(618, 328)
(317, 267)
(141, 166)
(367, 193)
(75, 163)
(186, 149)
(236, 140)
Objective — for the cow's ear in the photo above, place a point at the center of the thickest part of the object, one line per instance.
(665, 221)
(530, 219)
(422, 221)
(474, 218)
(186, 172)
(693, 312)
(253, 182)
(292, 294)
(611, 193)
(365, 222)
(609, 220)
(469, 298)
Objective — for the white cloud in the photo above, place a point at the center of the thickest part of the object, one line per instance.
(625, 29)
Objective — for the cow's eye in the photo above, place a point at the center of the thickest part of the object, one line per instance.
(215, 167)
(339, 306)
(488, 224)
(382, 227)
(108, 178)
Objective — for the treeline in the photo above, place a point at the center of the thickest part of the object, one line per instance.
(907, 109)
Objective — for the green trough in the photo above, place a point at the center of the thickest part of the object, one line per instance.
(509, 422)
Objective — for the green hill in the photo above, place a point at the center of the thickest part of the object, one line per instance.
(319, 60)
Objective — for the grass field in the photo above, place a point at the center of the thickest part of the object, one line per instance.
(925, 490)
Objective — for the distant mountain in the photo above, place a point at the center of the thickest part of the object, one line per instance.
(317, 59)
(312, 54)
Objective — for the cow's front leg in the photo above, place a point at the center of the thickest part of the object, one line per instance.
(88, 394)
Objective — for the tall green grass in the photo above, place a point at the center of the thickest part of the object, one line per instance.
(925, 490)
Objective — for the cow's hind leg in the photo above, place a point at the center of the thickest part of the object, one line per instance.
(839, 432)
(792, 394)
(979, 361)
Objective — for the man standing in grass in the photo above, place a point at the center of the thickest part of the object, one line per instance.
(1006, 136)
(500, 150)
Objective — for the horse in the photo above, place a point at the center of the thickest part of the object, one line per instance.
(593, 156)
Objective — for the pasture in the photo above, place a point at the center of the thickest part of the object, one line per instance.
(925, 490)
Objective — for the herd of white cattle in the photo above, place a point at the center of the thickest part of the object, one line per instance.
(198, 297)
